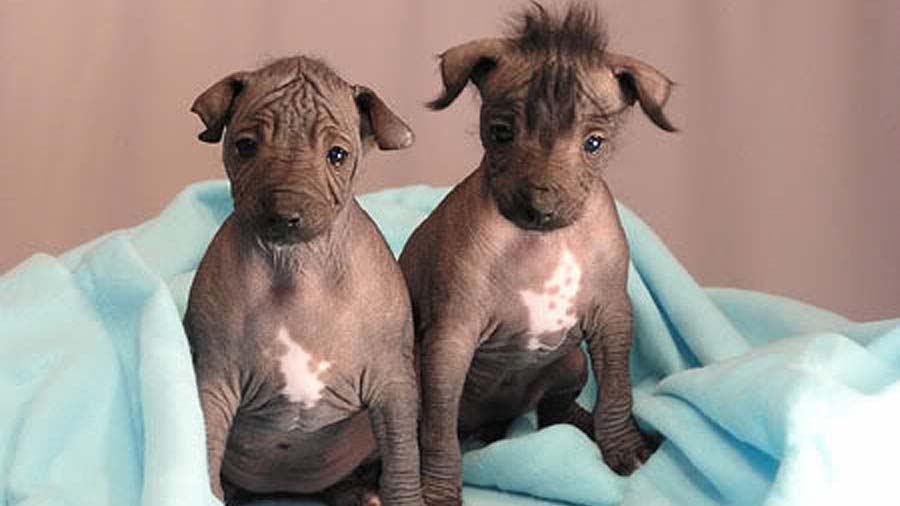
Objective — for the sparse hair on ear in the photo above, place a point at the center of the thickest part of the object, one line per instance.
(642, 83)
(464, 63)
(378, 123)
(216, 104)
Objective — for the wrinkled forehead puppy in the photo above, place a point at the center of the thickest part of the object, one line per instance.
(299, 319)
(526, 257)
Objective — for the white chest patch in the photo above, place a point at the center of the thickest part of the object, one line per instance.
(302, 378)
(552, 309)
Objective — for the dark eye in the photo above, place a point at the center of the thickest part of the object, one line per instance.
(246, 147)
(501, 133)
(336, 156)
(592, 145)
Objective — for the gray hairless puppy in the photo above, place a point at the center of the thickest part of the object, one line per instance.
(299, 319)
(526, 258)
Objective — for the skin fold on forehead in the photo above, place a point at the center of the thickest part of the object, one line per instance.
(295, 98)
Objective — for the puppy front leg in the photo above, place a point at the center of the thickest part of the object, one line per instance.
(394, 415)
(219, 404)
(446, 356)
(624, 447)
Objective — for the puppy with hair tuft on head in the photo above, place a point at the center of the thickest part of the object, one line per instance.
(526, 258)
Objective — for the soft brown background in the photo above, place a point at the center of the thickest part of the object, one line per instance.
(784, 179)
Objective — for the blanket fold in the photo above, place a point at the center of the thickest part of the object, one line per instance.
(761, 400)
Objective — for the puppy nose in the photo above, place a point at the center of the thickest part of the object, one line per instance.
(540, 205)
(279, 209)
(540, 217)
(288, 220)
(281, 226)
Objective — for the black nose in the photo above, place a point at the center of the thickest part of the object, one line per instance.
(539, 206)
(281, 224)
(289, 220)
(540, 217)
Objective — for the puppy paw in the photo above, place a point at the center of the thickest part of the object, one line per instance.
(439, 493)
(627, 452)
(370, 498)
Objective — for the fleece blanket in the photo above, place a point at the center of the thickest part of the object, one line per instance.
(761, 400)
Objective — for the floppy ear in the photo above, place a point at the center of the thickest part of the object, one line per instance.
(377, 122)
(642, 82)
(214, 106)
(469, 61)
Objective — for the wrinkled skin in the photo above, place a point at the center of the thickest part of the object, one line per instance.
(526, 259)
(299, 319)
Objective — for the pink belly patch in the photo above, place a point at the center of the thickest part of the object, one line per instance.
(303, 384)
(552, 309)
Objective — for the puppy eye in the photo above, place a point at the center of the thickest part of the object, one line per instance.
(501, 133)
(336, 156)
(246, 147)
(592, 145)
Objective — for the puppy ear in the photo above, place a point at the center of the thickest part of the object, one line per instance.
(645, 84)
(215, 105)
(468, 62)
(377, 122)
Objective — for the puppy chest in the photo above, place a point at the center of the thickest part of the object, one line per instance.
(308, 385)
(302, 375)
(550, 307)
(544, 302)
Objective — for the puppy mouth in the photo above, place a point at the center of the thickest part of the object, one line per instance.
(523, 219)
(285, 233)
(527, 217)
(281, 237)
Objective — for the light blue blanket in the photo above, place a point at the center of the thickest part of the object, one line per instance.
(762, 400)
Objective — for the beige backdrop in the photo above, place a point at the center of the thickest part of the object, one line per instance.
(784, 179)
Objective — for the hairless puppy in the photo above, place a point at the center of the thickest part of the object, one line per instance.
(526, 258)
(299, 319)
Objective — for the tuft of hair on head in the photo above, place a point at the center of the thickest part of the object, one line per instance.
(580, 31)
